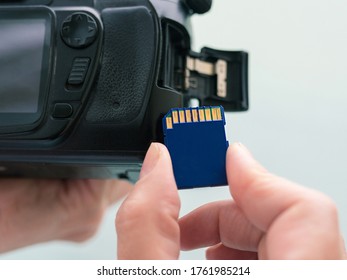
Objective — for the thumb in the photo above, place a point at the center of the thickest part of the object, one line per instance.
(146, 222)
(297, 222)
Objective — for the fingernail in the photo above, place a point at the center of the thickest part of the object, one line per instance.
(240, 151)
(240, 145)
(152, 157)
(243, 147)
(242, 154)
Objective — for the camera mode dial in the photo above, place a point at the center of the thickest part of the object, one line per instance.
(79, 30)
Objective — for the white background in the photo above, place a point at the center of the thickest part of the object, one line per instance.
(297, 123)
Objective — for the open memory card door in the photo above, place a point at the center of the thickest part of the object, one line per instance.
(217, 77)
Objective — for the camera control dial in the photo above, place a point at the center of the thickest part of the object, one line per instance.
(79, 30)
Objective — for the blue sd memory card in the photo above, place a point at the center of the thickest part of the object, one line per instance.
(195, 138)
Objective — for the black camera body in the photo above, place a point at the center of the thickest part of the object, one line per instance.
(84, 84)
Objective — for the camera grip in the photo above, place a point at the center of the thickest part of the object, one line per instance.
(127, 67)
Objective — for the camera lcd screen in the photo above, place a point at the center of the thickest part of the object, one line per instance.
(21, 54)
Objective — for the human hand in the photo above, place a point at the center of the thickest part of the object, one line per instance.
(34, 211)
(269, 218)
(146, 222)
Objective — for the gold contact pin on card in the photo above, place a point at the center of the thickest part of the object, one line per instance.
(214, 114)
(208, 114)
(169, 122)
(175, 116)
(188, 115)
(195, 115)
(219, 113)
(182, 117)
(201, 115)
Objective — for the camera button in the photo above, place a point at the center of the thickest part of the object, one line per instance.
(79, 30)
(62, 111)
(79, 70)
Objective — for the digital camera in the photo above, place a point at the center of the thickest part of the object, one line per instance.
(84, 84)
